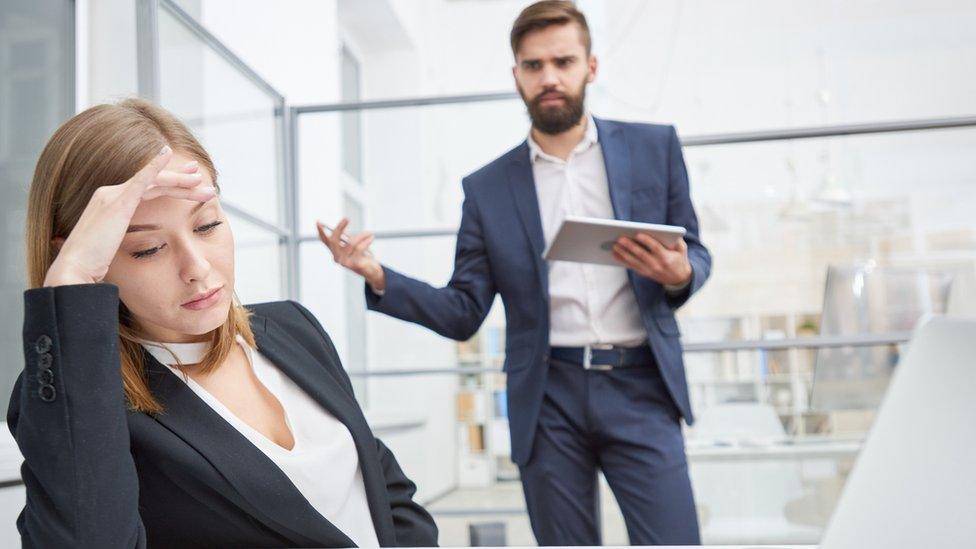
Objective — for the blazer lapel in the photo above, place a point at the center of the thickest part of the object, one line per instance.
(314, 378)
(522, 185)
(616, 158)
(261, 487)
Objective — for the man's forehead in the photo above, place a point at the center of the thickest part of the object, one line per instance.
(552, 42)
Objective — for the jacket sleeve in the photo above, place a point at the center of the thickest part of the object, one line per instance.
(681, 212)
(414, 526)
(68, 415)
(457, 310)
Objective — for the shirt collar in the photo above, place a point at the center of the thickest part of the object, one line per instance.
(590, 138)
(181, 353)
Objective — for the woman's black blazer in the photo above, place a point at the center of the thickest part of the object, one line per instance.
(100, 475)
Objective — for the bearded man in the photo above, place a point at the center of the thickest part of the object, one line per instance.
(595, 376)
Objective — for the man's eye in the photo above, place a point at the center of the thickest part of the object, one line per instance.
(146, 253)
(209, 227)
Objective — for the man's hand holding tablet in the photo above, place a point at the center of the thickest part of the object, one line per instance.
(653, 251)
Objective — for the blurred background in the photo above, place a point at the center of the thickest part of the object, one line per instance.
(831, 148)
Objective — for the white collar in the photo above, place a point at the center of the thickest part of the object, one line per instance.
(590, 138)
(171, 354)
(177, 353)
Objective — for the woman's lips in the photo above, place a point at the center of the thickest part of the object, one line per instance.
(205, 302)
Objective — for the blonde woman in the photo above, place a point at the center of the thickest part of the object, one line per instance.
(153, 408)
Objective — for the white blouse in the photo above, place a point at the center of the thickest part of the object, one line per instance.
(323, 464)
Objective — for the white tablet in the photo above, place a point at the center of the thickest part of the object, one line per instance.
(591, 239)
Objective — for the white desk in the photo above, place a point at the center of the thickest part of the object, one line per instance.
(795, 449)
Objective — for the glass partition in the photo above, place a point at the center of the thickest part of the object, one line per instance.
(258, 263)
(239, 120)
(413, 160)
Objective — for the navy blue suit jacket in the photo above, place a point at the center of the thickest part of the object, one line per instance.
(499, 250)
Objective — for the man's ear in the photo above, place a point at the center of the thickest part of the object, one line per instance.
(592, 65)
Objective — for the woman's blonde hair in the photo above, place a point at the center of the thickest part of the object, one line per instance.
(107, 145)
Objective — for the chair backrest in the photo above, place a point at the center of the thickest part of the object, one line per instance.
(914, 483)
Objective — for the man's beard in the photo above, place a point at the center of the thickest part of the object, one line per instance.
(555, 120)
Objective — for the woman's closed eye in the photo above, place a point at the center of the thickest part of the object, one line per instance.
(203, 229)
(208, 228)
(147, 252)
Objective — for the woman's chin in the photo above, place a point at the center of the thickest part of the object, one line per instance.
(203, 322)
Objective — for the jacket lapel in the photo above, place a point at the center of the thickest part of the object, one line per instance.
(261, 487)
(264, 490)
(315, 379)
(616, 158)
(522, 185)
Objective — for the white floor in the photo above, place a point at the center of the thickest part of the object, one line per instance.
(801, 523)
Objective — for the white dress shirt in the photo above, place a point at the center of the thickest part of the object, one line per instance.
(588, 304)
(323, 464)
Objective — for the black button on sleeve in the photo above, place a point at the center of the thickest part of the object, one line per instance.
(45, 377)
(43, 344)
(47, 393)
(44, 361)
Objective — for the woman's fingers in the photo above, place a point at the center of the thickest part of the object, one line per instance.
(148, 173)
(167, 178)
(199, 193)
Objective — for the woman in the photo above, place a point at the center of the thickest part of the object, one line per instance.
(153, 408)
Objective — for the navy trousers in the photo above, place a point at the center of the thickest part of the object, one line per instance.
(622, 422)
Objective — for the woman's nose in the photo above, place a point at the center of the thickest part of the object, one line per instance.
(194, 265)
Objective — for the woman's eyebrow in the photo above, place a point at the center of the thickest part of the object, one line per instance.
(150, 227)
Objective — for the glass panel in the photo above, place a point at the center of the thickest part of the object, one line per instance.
(258, 257)
(776, 216)
(388, 344)
(36, 95)
(413, 161)
(237, 121)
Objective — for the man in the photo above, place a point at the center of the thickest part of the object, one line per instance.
(593, 357)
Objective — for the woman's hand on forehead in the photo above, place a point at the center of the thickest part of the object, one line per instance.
(88, 251)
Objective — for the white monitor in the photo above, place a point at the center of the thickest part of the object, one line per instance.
(914, 483)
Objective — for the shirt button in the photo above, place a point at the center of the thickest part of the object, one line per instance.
(45, 377)
(44, 361)
(43, 344)
(47, 393)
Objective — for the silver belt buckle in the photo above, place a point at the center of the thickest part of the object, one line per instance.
(588, 358)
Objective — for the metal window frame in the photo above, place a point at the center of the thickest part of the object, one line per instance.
(147, 24)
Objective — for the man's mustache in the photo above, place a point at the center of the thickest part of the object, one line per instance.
(549, 94)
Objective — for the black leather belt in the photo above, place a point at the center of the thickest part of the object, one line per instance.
(604, 357)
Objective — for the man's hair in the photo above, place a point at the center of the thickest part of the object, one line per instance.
(547, 13)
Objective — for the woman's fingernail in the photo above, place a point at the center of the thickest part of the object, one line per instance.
(164, 150)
